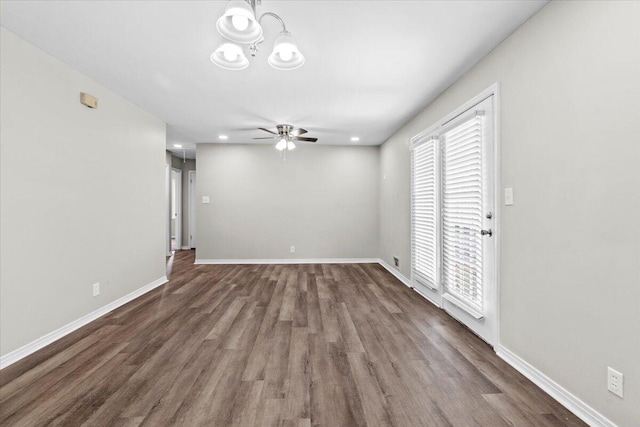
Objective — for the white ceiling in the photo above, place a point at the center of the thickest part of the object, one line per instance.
(370, 65)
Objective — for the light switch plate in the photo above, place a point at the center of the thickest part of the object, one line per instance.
(205, 199)
(508, 196)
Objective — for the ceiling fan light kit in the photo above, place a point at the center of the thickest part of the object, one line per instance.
(286, 134)
(238, 24)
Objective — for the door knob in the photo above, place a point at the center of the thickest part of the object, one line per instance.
(485, 232)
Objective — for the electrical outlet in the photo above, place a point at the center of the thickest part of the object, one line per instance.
(96, 289)
(292, 249)
(615, 382)
(396, 261)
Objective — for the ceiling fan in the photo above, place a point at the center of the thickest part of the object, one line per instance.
(287, 134)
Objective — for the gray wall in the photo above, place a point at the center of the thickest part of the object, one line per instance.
(570, 109)
(323, 200)
(69, 216)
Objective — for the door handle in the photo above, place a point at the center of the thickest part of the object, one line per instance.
(486, 232)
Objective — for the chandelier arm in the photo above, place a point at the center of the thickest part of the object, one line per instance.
(254, 4)
(253, 47)
(273, 15)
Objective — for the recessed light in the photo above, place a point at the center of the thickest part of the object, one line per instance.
(355, 139)
(223, 137)
(177, 145)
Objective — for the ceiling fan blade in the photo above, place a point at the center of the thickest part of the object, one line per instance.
(267, 130)
(302, 138)
(299, 131)
(269, 137)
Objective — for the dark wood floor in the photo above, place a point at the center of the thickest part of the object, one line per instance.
(262, 345)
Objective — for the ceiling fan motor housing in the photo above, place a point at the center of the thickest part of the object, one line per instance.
(288, 133)
(284, 130)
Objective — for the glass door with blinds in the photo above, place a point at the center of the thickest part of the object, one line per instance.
(453, 217)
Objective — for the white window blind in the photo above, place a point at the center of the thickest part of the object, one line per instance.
(424, 213)
(462, 207)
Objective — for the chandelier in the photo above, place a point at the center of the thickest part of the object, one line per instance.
(239, 26)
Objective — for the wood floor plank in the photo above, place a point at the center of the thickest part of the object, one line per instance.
(278, 358)
(374, 403)
(225, 322)
(60, 397)
(38, 372)
(168, 364)
(247, 403)
(314, 317)
(273, 345)
(289, 300)
(128, 422)
(196, 409)
(348, 330)
(296, 402)
(168, 405)
(300, 318)
(323, 287)
(269, 413)
(513, 414)
(261, 349)
(344, 403)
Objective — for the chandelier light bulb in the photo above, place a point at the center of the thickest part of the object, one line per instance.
(240, 22)
(230, 57)
(286, 54)
(281, 145)
(230, 54)
(291, 145)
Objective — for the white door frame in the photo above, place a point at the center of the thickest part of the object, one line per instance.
(435, 295)
(192, 209)
(167, 199)
(178, 196)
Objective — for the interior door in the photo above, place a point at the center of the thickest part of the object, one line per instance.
(468, 265)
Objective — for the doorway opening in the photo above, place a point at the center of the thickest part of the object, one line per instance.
(175, 216)
(192, 209)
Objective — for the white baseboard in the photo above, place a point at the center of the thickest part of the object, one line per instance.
(406, 281)
(289, 261)
(395, 272)
(583, 411)
(186, 248)
(32, 347)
